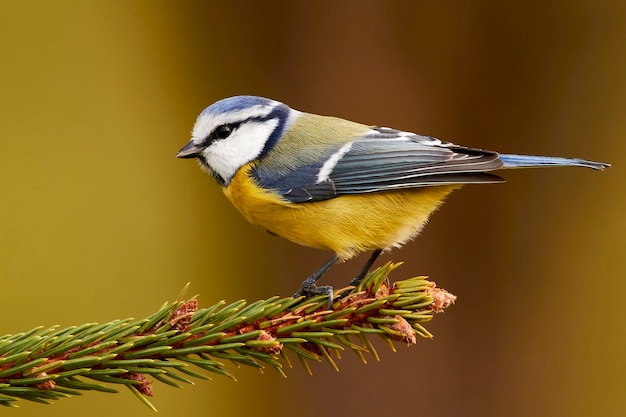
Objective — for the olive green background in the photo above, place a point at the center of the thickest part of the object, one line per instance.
(99, 220)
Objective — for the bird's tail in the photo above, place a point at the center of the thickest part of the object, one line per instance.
(528, 161)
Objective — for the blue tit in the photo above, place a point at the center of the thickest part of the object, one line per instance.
(333, 184)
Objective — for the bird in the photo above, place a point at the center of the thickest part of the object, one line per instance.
(333, 184)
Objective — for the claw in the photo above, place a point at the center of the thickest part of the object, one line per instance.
(313, 290)
(308, 287)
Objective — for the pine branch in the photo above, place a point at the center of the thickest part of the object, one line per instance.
(48, 364)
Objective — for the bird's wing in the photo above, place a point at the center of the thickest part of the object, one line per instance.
(384, 159)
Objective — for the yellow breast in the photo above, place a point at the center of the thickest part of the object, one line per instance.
(345, 225)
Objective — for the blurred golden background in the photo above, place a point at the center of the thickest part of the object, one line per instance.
(99, 220)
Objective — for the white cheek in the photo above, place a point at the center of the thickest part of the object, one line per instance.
(226, 156)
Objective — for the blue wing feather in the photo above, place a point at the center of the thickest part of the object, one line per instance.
(395, 160)
(384, 159)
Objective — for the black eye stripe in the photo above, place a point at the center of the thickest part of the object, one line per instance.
(279, 112)
(220, 132)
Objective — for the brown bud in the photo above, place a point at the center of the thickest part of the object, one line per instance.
(403, 327)
(442, 299)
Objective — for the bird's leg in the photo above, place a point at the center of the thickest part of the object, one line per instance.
(366, 268)
(308, 287)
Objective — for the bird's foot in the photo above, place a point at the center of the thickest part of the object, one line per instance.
(311, 290)
(308, 287)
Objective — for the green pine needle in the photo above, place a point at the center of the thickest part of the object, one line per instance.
(43, 365)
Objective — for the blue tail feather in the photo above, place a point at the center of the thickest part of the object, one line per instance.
(528, 161)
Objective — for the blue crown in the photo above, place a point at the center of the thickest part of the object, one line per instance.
(236, 103)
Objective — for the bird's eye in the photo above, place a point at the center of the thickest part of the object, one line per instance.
(223, 131)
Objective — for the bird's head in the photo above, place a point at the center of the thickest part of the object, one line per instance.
(235, 131)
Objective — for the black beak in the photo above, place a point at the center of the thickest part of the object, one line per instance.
(190, 150)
